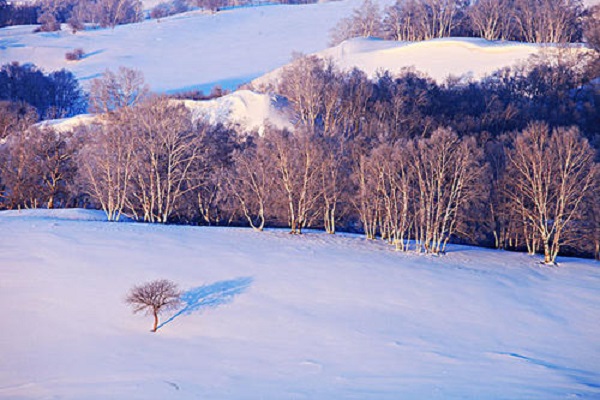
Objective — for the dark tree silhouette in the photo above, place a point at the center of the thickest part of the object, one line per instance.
(153, 298)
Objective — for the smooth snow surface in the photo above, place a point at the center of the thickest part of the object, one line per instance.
(275, 316)
(469, 58)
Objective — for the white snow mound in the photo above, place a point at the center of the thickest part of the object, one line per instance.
(247, 110)
(470, 58)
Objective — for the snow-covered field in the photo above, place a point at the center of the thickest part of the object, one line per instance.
(274, 316)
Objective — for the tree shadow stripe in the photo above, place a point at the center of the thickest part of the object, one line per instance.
(210, 296)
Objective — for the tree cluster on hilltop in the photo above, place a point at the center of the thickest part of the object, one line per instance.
(533, 21)
(509, 162)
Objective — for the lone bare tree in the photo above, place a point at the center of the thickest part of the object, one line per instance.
(153, 298)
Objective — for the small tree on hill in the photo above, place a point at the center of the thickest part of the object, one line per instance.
(153, 298)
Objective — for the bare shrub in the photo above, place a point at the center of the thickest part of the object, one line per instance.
(153, 298)
(74, 55)
(48, 22)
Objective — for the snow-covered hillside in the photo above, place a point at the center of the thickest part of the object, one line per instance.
(274, 316)
(195, 50)
(199, 50)
(438, 58)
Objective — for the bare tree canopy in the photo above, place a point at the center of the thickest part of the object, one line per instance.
(551, 174)
(153, 298)
(113, 91)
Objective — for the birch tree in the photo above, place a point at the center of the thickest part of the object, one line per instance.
(166, 148)
(551, 174)
(115, 90)
(548, 21)
(297, 162)
(365, 21)
(251, 182)
(106, 165)
(492, 19)
(447, 170)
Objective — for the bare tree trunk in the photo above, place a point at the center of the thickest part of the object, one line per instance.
(155, 314)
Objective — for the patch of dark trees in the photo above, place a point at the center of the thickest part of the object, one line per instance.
(510, 161)
(53, 95)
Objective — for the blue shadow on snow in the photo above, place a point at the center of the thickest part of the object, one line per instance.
(208, 296)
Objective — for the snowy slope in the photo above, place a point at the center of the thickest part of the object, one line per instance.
(195, 50)
(439, 58)
(198, 50)
(275, 316)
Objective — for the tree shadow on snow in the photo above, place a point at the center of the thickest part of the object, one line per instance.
(210, 296)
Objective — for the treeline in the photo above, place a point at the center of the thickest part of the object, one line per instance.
(51, 13)
(18, 14)
(178, 6)
(506, 162)
(534, 21)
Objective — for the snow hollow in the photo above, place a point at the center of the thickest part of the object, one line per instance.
(275, 316)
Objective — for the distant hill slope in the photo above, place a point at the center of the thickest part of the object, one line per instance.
(199, 50)
(195, 50)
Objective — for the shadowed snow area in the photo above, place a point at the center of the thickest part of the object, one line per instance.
(214, 295)
(277, 316)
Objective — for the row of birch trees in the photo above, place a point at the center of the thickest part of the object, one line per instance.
(361, 157)
(533, 21)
